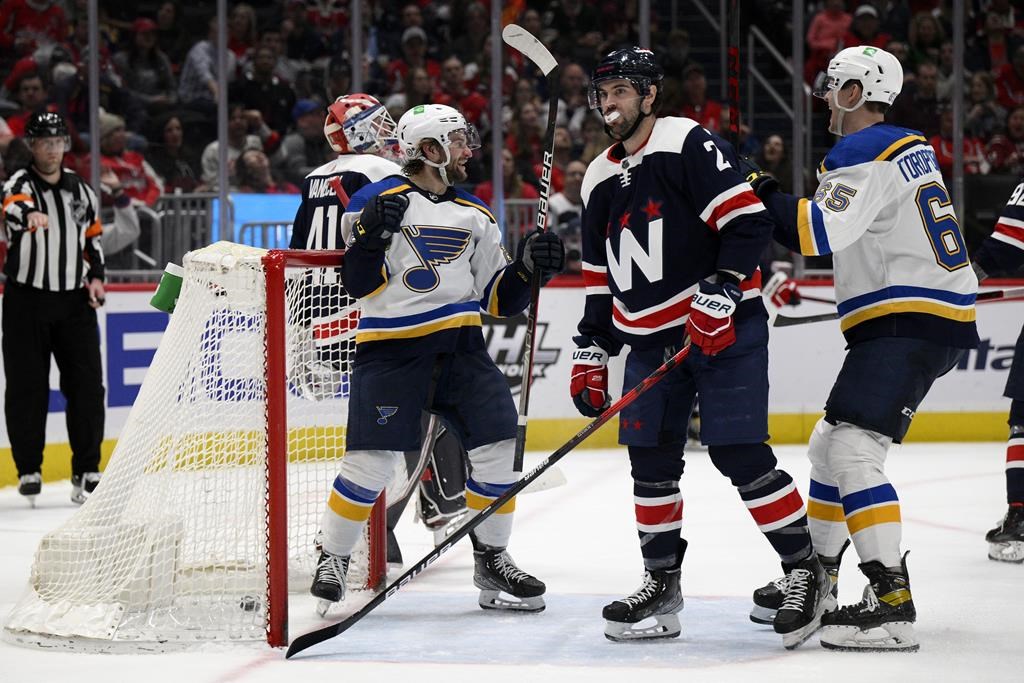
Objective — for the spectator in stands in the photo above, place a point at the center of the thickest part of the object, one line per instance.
(525, 138)
(174, 160)
(865, 29)
(1005, 152)
(468, 42)
(453, 92)
(984, 117)
(975, 162)
(918, 105)
(197, 89)
(31, 95)
(924, 38)
(564, 209)
(573, 19)
(895, 16)
(515, 186)
(993, 48)
(595, 140)
(170, 34)
(824, 35)
(944, 87)
(146, 71)
(1010, 81)
(675, 55)
(900, 50)
(304, 43)
(572, 103)
(260, 89)
(706, 112)
(283, 68)
(773, 157)
(562, 148)
(17, 156)
(138, 178)
(338, 78)
(306, 148)
(414, 54)
(5, 135)
(28, 24)
(252, 174)
(246, 130)
(524, 90)
(242, 29)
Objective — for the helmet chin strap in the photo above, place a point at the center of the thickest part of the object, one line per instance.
(842, 112)
(442, 168)
(632, 129)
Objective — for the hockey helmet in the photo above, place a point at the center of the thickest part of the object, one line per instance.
(635, 64)
(358, 123)
(47, 124)
(434, 122)
(879, 73)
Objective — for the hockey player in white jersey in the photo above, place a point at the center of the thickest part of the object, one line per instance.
(905, 293)
(426, 260)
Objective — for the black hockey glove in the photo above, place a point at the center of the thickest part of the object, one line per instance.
(380, 219)
(764, 183)
(542, 251)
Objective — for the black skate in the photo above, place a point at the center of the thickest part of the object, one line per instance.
(329, 580)
(658, 597)
(768, 598)
(807, 596)
(1006, 541)
(497, 574)
(882, 622)
(82, 486)
(30, 486)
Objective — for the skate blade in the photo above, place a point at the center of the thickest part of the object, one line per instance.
(78, 498)
(795, 639)
(323, 607)
(1010, 551)
(762, 615)
(497, 600)
(897, 636)
(31, 498)
(660, 627)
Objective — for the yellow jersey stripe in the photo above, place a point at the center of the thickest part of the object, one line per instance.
(480, 207)
(347, 509)
(963, 315)
(474, 501)
(825, 512)
(492, 304)
(803, 228)
(465, 320)
(887, 152)
(883, 514)
(384, 274)
(396, 189)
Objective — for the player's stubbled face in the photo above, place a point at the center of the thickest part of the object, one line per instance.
(620, 106)
(461, 153)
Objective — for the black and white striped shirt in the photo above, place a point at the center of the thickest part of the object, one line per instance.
(68, 252)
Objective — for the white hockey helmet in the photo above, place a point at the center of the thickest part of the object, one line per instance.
(358, 123)
(879, 72)
(434, 122)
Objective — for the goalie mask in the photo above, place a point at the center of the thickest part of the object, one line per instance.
(359, 124)
(879, 73)
(437, 122)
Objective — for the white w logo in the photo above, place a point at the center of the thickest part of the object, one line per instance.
(650, 262)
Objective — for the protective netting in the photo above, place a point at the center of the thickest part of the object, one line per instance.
(173, 543)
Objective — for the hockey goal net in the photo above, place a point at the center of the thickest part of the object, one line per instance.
(210, 505)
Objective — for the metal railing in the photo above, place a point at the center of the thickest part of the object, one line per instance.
(267, 235)
(186, 223)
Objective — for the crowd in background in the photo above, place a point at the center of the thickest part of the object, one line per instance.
(288, 58)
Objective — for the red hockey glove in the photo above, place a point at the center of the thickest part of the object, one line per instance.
(589, 383)
(710, 325)
(780, 290)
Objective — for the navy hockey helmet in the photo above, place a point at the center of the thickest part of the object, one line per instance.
(635, 64)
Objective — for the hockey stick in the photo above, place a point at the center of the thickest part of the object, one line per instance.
(527, 44)
(320, 635)
(983, 297)
(335, 184)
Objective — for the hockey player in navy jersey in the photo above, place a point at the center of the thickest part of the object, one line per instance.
(905, 293)
(426, 260)
(672, 235)
(1002, 254)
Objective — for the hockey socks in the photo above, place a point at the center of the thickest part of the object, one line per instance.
(659, 517)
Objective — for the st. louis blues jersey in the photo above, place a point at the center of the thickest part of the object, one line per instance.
(445, 266)
(317, 223)
(1002, 252)
(655, 223)
(883, 212)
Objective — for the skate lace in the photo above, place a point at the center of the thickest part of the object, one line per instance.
(869, 603)
(644, 592)
(781, 583)
(331, 570)
(799, 580)
(504, 565)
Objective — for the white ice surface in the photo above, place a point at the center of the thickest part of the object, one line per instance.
(580, 539)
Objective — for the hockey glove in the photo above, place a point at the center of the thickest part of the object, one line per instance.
(710, 325)
(542, 251)
(780, 290)
(762, 182)
(380, 219)
(589, 382)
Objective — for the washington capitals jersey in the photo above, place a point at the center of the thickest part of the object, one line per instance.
(317, 223)
(900, 263)
(426, 291)
(656, 222)
(1002, 252)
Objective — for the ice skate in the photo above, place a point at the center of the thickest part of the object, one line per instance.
(651, 612)
(329, 581)
(768, 598)
(502, 584)
(882, 622)
(1006, 541)
(807, 596)
(30, 485)
(82, 486)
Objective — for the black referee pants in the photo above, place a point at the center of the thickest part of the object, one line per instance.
(36, 324)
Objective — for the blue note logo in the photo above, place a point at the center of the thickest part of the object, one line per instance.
(385, 412)
(434, 245)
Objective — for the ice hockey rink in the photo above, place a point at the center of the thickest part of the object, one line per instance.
(580, 539)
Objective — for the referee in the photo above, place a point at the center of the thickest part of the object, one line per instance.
(54, 285)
